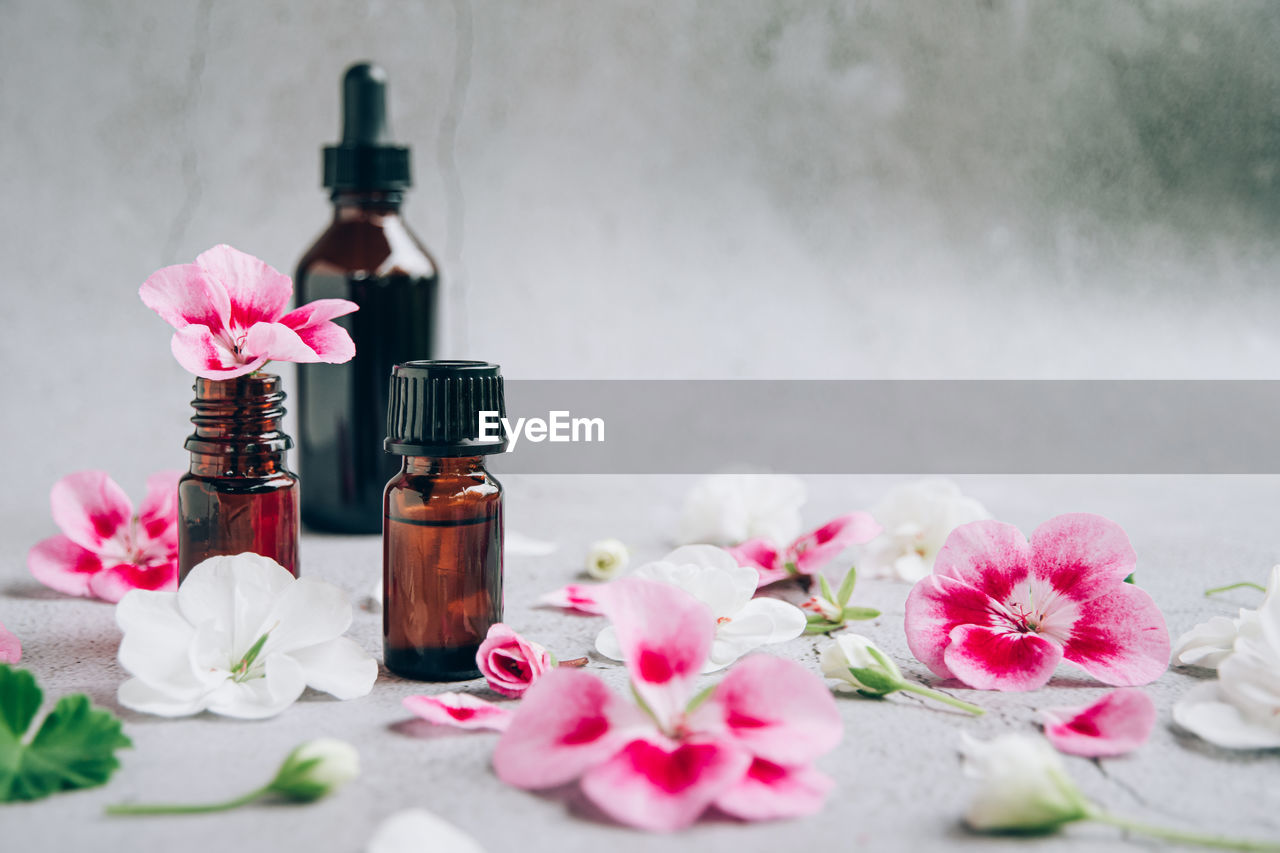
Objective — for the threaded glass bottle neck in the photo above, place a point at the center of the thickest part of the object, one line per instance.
(238, 427)
(444, 465)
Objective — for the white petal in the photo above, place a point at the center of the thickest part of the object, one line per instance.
(763, 621)
(911, 567)
(607, 643)
(235, 593)
(258, 698)
(725, 589)
(1207, 644)
(156, 639)
(418, 831)
(307, 612)
(140, 696)
(1204, 713)
(339, 667)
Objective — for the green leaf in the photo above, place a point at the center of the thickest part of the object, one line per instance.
(823, 627)
(826, 588)
(846, 586)
(860, 613)
(1130, 578)
(702, 695)
(874, 681)
(74, 747)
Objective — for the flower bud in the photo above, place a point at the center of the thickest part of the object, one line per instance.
(855, 661)
(606, 559)
(1024, 786)
(316, 768)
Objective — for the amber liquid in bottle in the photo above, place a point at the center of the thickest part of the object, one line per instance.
(238, 495)
(442, 566)
(370, 257)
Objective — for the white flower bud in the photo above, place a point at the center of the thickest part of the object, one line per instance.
(855, 661)
(1024, 786)
(606, 559)
(316, 768)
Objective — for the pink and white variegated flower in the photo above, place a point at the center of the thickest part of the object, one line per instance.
(747, 748)
(106, 549)
(809, 552)
(1000, 613)
(460, 710)
(578, 597)
(231, 313)
(1118, 723)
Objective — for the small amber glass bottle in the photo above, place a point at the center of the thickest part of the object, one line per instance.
(442, 527)
(238, 495)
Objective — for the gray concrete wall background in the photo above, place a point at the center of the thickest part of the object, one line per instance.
(692, 189)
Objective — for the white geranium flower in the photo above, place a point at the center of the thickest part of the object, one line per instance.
(1241, 710)
(714, 577)
(417, 831)
(1023, 785)
(726, 509)
(606, 559)
(917, 518)
(1209, 643)
(241, 637)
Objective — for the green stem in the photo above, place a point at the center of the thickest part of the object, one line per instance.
(1221, 842)
(1250, 584)
(182, 808)
(939, 696)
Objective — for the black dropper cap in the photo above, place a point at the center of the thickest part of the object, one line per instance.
(366, 159)
(435, 408)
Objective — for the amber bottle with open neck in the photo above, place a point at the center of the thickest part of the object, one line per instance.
(369, 256)
(238, 495)
(442, 536)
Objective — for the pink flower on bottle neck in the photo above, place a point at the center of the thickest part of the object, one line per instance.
(1000, 613)
(746, 749)
(106, 549)
(509, 662)
(231, 313)
(808, 553)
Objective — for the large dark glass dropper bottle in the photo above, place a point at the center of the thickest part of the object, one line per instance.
(367, 255)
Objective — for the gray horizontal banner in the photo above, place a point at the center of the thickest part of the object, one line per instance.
(892, 427)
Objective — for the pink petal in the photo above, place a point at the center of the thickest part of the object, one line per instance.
(1120, 638)
(760, 553)
(158, 515)
(113, 582)
(1081, 555)
(276, 342)
(61, 564)
(665, 635)
(92, 511)
(184, 295)
(509, 662)
(935, 607)
(258, 293)
(1117, 723)
(460, 710)
(770, 791)
(200, 352)
(778, 710)
(10, 647)
(330, 342)
(579, 597)
(319, 311)
(989, 556)
(995, 659)
(663, 786)
(768, 576)
(818, 547)
(568, 721)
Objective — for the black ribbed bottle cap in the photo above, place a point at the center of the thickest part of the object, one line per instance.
(366, 158)
(436, 405)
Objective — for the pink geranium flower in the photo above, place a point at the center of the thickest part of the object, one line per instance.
(578, 597)
(509, 662)
(106, 549)
(460, 710)
(1118, 723)
(809, 552)
(747, 748)
(230, 312)
(10, 647)
(999, 612)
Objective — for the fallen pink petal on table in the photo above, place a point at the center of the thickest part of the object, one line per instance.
(578, 597)
(10, 647)
(460, 710)
(1118, 723)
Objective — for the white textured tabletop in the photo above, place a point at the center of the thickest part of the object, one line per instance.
(899, 784)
